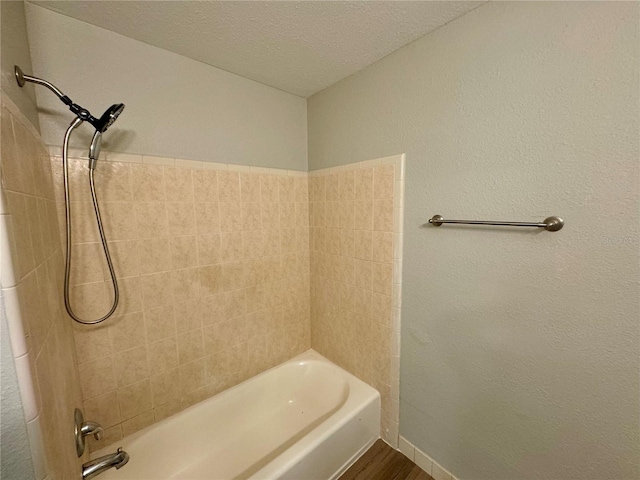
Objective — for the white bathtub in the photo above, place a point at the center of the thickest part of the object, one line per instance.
(302, 420)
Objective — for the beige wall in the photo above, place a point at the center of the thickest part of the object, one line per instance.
(519, 347)
(355, 217)
(213, 268)
(41, 336)
(176, 107)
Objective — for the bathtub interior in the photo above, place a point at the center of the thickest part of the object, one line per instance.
(244, 429)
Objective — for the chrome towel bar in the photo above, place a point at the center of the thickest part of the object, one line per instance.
(551, 224)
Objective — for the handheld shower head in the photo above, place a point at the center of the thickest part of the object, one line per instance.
(108, 117)
(94, 149)
(101, 125)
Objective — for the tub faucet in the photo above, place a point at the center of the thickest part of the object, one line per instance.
(101, 464)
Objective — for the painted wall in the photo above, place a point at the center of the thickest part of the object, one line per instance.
(14, 50)
(519, 347)
(176, 107)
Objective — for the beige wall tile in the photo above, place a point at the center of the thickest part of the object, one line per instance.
(89, 300)
(149, 183)
(91, 342)
(233, 276)
(163, 411)
(363, 244)
(382, 247)
(151, 219)
(382, 274)
(130, 295)
(154, 255)
(156, 289)
(229, 187)
(127, 332)
(301, 189)
(270, 215)
(179, 184)
(364, 184)
(131, 366)
(230, 217)
(103, 409)
(23, 256)
(119, 220)
(190, 346)
(231, 247)
(251, 216)
(383, 178)
(205, 183)
(181, 218)
(163, 387)
(159, 323)
(271, 240)
(287, 189)
(124, 255)
(332, 187)
(210, 279)
(269, 188)
(114, 182)
(97, 377)
(163, 355)
(137, 423)
(207, 218)
(83, 223)
(347, 185)
(253, 243)
(184, 253)
(383, 215)
(208, 247)
(191, 376)
(189, 315)
(250, 187)
(185, 283)
(134, 399)
(234, 303)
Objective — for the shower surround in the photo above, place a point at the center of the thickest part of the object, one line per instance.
(31, 277)
(213, 268)
(356, 215)
(225, 271)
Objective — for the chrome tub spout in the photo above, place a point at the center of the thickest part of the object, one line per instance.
(101, 464)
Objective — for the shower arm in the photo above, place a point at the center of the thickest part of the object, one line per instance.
(82, 113)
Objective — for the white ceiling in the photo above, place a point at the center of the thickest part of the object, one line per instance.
(300, 47)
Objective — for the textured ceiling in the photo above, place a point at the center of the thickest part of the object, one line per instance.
(299, 47)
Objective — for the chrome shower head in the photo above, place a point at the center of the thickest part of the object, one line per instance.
(101, 125)
(108, 117)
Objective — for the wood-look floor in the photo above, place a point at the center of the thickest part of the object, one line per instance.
(381, 462)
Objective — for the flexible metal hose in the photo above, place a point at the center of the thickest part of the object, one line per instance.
(67, 204)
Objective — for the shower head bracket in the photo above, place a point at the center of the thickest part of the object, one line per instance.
(19, 75)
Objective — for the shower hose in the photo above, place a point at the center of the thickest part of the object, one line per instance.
(67, 205)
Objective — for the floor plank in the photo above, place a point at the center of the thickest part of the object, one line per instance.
(381, 462)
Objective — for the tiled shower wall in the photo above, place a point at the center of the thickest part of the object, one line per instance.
(213, 267)
(356, 261)
(31, 277)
